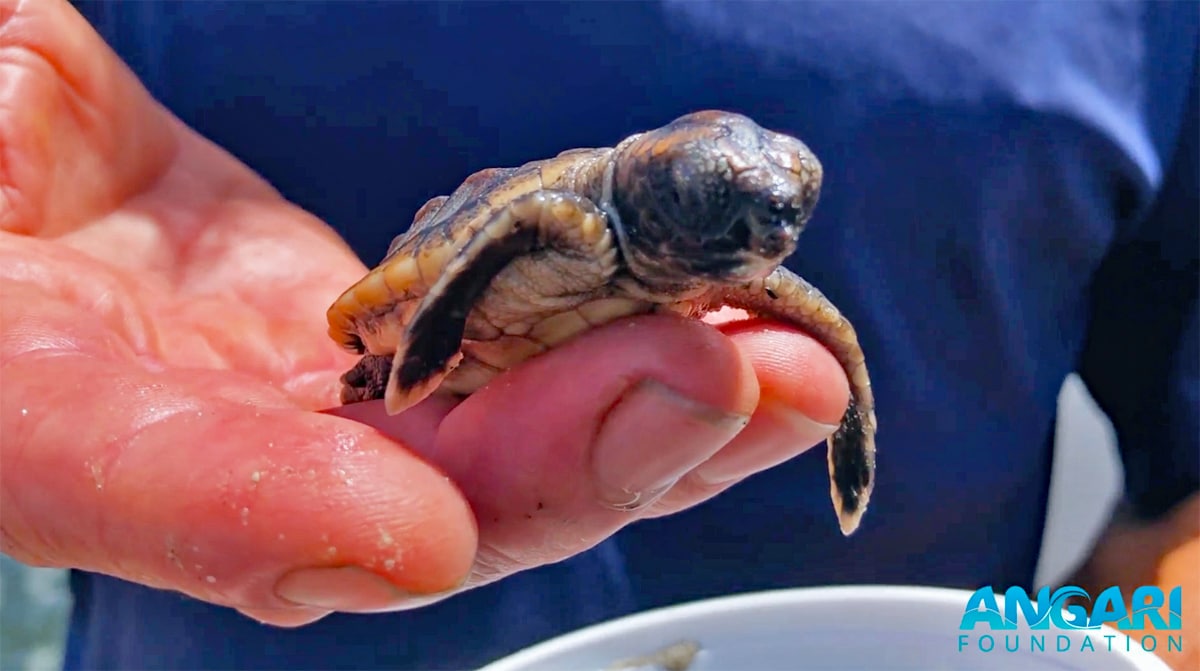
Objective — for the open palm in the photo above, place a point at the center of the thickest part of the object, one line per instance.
(165, 366)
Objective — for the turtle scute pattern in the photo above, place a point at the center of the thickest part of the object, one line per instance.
(518, 260)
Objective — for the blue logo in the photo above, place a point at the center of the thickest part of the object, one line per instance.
(1067, 609)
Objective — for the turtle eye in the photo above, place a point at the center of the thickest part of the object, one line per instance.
(674, 204)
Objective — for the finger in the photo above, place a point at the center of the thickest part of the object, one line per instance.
(78, 132)
(804, 393)
(93, 160)
(523, 448)
(725, 315)
(416, 427)
(285, 617)
(560, 452)
(212, 485)
(793, 368)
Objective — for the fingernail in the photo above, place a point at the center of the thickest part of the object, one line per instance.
(778, 433)
(651, 438)
(288, 618)
(344, 588)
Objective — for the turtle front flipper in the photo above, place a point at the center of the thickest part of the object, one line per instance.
(430, 346)
(789, 298)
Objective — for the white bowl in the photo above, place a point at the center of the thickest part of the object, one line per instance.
(860, 628)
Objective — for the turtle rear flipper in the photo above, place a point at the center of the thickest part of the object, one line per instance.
(788, 297)
(430, 346)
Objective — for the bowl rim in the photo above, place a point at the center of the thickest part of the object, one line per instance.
(733, 604)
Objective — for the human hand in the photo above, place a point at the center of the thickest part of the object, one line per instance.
(1132, 552)
(165, 363)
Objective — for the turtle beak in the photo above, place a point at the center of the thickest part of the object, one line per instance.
(768, 246)
(777, 242)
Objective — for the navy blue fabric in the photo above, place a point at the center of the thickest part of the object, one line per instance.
(1002, 190)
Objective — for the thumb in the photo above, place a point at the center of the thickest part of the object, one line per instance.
(645, 416)
(214, 487)
(564, 450)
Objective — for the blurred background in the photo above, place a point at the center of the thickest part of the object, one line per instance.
(1085, 486)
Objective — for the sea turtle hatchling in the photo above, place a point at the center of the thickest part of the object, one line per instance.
(683, 219)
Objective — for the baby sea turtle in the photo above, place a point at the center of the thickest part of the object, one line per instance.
(683, 219)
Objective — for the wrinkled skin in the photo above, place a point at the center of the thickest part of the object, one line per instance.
(165, 366)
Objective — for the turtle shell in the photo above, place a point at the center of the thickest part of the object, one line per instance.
(685, 218)
(534, 302)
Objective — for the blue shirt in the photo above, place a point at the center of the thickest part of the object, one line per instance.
(1010, 196)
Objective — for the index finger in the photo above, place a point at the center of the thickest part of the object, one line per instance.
(785, 364)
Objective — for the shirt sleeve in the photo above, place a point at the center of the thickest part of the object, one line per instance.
(1140, 358)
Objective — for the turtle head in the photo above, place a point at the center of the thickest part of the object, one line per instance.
(711, 197)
